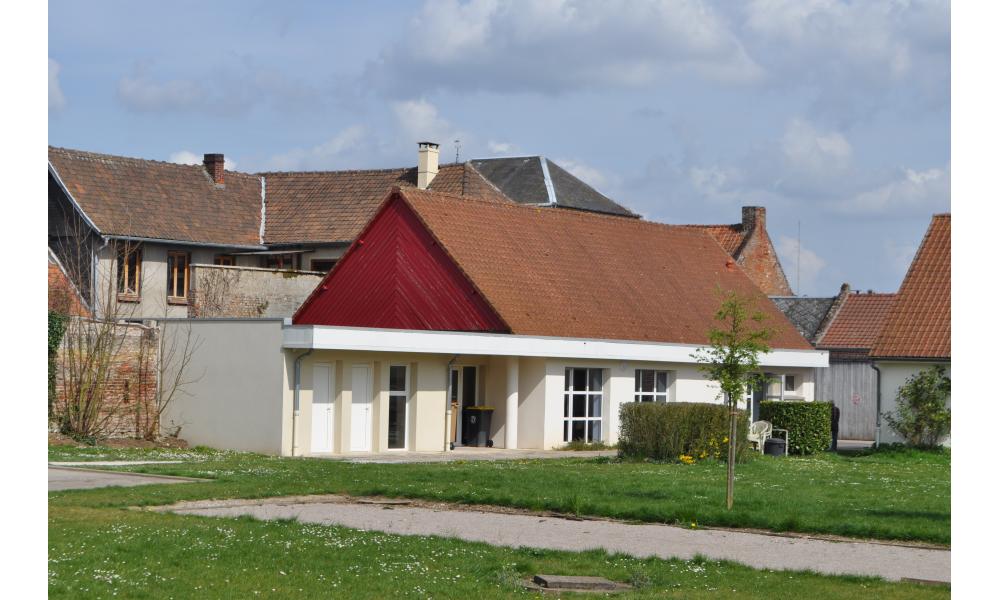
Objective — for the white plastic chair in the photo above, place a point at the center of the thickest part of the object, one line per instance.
(758, 433)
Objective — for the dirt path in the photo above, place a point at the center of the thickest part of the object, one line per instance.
(756, 550)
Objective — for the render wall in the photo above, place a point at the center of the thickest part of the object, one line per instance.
(248, 292)
(235, 400)
(894, 375)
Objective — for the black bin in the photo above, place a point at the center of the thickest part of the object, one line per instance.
(476, 426)
(774, 447)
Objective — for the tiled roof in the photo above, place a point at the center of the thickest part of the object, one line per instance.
(579, 274)
(523, 179)
(730, 237)
(807, 314)
(858, 321)
(919, 322)
(333, 206)
(152, 199)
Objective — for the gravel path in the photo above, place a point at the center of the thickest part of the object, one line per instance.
(65, 478)
(760, 551)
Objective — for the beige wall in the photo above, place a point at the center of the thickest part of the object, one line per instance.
(894, 375)
(235, 399)
(153, 287)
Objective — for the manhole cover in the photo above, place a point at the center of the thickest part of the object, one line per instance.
(577, 583)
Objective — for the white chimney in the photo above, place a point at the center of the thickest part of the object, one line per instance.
(427, 163)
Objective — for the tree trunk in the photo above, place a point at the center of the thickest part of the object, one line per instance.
(731, 467)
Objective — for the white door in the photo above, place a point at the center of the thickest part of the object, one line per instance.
(322, 410)
(361, 409)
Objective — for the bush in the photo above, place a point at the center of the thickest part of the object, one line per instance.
(922, 415)
(696, 431)
(808, 424)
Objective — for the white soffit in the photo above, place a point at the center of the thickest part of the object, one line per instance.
(324, 337)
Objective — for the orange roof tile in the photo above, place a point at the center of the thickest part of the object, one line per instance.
(858, 322)
(730, 237)
(584, 275)
(919, 322)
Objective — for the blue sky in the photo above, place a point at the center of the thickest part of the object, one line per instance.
(834, 115)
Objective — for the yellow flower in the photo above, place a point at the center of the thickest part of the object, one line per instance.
(686, 459)
(725, 440)
(694, 525)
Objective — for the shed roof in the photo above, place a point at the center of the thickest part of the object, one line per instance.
(857, 323)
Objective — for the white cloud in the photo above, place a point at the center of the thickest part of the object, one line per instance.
(57, 100)
(186, 157)
(899, 256)
(809, 150)
(910, 193)
(591, 175)
(500, 147)
(141, 93)
(555, 46)
(799, 262)
(420, 122)
(327, 155)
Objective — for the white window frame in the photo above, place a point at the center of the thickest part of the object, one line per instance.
(405, 393)
(653, 396)
(569, 392)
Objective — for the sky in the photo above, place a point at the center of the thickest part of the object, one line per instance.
(834, 115)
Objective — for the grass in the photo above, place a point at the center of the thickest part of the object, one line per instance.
(97, 549)
(897, 494)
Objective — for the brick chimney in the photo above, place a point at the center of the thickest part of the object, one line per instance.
(215, 164)
(427, 163)
(754, 216)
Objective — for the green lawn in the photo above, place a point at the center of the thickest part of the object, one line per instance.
(99, 549)
(903, 495)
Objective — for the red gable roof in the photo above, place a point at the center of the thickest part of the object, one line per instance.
(858, 322)
(919, 322)
(566, 273)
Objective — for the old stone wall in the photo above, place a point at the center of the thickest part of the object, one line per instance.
(232, 291)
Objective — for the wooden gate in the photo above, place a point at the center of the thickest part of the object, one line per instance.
(852, 387)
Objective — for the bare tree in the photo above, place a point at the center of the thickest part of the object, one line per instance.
(174, 355)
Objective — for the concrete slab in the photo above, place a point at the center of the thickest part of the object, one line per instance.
(758, 550)
(69, 478)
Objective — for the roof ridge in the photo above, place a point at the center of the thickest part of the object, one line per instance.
(90, 155)
(355, 171)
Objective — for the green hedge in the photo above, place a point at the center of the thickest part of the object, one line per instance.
(57, 327)
(658, 431)
(808, 423)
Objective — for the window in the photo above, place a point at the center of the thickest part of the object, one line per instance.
(177, 276)
(789, 383)
(322, 265)
(397, 406)
(582, 404)
(284, 262)
(651, 386)
(225, 260)
(129, 272)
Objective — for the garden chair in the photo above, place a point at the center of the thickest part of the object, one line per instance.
(758, 433)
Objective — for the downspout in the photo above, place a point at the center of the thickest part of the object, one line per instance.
(878, 405)
(295, 395)
(447, 403)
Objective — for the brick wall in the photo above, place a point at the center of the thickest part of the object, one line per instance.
(225, 291)
(130, 385)
(63, 296)
(758, 257)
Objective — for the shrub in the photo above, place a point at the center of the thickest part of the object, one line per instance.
(922, 415)
(57, 327)
(657, 431)
(808, 423)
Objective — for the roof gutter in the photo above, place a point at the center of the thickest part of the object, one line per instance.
(134, 238)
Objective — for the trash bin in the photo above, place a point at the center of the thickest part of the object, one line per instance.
(774, 447)
(476, 426)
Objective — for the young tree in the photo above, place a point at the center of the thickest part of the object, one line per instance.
(732, 358)
(922, 415)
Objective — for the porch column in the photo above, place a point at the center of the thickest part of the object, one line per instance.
(510, 426)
